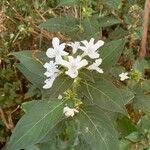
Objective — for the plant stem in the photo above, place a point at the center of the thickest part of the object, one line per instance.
(145, 29)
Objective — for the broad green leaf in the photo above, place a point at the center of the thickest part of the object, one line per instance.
(90, 28)
(127, 95)
(104, 94)
(69, 2)
(115, 34)
(97, 129)
(28, 60)
(125, 126)
(83, 145)
(124, 145)
(140, 66)
(61, 84)
(49, 146)
(108, 21)
(111, 52)
(86, 75)
(144, 123)
(114, 4)
(64, 24)
(31, 67)
(33, 77)
(36, 123)
(26, 106)
(33, 147)
(134, 137)
(141, 100)
(146, 85)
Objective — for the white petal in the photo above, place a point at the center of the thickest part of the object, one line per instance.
(48, 74)
(64, 63)
(60, 97)
(85, 42)
(46, 65)
(98, 61)
(49, 82)
(99, 70)
(91, 42)
(83, 48)
(98, 44)
(94, 55)
(50, 53)
(74, 46)
(55, 42)
(75, 110)
(62, 47)
(72, 73)
(82, 63)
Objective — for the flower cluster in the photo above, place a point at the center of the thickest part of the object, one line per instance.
(71, 62)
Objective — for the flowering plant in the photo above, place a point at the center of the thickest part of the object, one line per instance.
(86, 95)
(77, 86)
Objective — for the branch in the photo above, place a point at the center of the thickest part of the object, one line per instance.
(145, 29)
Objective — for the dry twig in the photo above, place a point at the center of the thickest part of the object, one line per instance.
(145, 29)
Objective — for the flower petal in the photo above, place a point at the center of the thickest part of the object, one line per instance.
(72, 73)
(50, 53)
(91, 42)
(55, 42)
(98, 44)
(82, 63)
(85, 42)
(98, 61)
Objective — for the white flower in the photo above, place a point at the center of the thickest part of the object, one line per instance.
(57, 51)
(69, 111)
(49, 82)
(123, 76)
(74, 65)
(60, 96)
(95, 66)
(51, 68)
(74, 46)
(90, 48)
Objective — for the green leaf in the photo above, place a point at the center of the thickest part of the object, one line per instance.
(61, 84)
(127, 95)
(114, 4)
(108, 21)
(36, 123)
(144, 123)
(146, 85)
(36, 79)
(33, 147)
(97, 129)
(83, 145)
(141, 100)
(90, 28)
(49, 146)
(124, 145)
(30, 67)
(104, 94)
(66, 24)
(111, 52)
(140, 66)
(134, 137)
(125, 126)
(26, 106)
(69, 2)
